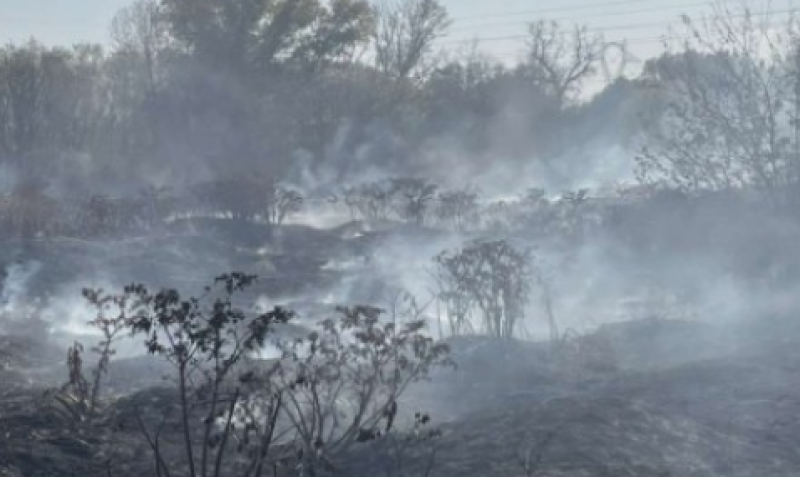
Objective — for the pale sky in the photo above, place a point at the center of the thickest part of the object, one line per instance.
(499, 23)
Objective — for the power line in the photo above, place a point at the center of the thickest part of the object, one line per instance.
(628, 41)
(623, 27)
(598, 15)
(571, 8)
(630, 26)
(522, 37)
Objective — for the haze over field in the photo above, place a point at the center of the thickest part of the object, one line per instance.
(249, 237)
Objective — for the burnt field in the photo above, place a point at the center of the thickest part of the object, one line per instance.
(596, 367)
(506, 410)
(309, 238)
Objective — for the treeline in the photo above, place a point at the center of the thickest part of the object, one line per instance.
(28, 211)
(329, 93)
(194, 90)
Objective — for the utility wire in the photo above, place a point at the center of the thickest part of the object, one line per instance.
(664, 38)
(570, 8)
(596, 15)
(630, 26)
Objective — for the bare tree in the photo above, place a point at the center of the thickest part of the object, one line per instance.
(458, 208)
(141, 31)
(412, 198)
(575, 214)
(281, 202)
(246, 198)
(370, 200)
(344, 381)
(729, 120)
(559, 61)
(51, 102)
(455, 301)
(405, 34)
(496, 277)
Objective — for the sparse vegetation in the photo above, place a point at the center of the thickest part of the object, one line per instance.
(369, 201)
(614, 266)
(413, 198)
(494, 277)
(459, 208)
(731, 120)
(81, 396)
(203, 338)
(345, 380)
(336, 387)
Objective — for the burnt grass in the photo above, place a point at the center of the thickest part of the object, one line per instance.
(682, 398)
(734, 415)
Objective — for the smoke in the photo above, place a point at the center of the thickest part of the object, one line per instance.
(505, 142)
(14, 297)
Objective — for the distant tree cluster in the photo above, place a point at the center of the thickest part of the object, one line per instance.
(726, 104)
(214, 88)
(406, 198)
(421, 202)
(28, 210)
(191, 91)
(249, 199)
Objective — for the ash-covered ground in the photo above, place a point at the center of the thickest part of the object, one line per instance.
(506, 408)
(299, 238)
(653, 392)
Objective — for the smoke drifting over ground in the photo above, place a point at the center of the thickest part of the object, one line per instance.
(614, 275)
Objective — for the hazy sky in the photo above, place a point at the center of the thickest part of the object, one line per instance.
(498, 22)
